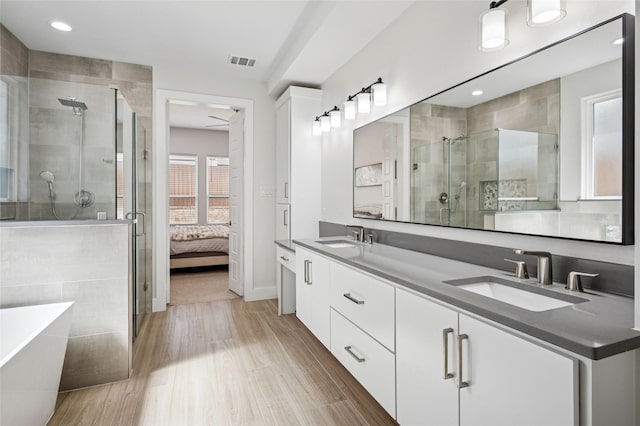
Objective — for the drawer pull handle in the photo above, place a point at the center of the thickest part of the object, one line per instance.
(353, 299)
(445, 352)
(460, 383)
(286, 259)
(356, 357)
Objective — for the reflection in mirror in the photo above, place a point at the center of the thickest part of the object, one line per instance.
(533, 147)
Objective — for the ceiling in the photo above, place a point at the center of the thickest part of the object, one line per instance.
(196, 116)
(297, 41)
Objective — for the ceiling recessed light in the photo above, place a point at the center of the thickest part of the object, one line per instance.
(477, 93)
(60, 26)
(618, 41)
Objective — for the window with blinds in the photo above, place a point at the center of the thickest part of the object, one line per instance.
(183, 189)
(217, 189)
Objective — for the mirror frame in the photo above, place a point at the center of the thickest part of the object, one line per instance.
(628, 128)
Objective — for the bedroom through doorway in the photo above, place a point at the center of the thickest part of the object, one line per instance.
(199, 202)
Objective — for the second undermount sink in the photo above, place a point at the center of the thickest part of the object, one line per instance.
(336, 243)
(524, 296)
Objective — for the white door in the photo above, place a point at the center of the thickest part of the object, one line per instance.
(236, 163)
(426, 395)
(513, 381)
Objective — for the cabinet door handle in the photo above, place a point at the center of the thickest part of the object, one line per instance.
(309, 272)
(353, 299)
(286, 259)
(356, 357)
(286, 190)
(459, 340)
(284, 218)
(445, 352)
(306, 271)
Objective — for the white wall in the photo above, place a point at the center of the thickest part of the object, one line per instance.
(201, 143)
(431, 47)
(202, 82)
(637, 187)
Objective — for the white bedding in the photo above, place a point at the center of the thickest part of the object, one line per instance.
(198, 246)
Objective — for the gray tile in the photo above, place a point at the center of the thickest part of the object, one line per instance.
(100, 306)
(132, 72)
(29, 294)
(95, 360)
(69, 64)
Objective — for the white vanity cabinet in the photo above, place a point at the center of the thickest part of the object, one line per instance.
(506, 380)
(298, 164)
(313, 293)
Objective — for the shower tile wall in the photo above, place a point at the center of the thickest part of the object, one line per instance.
(85, 263)
(14, 71)
(55, 145)
(429, 124)
(535, 109)
(134, 81)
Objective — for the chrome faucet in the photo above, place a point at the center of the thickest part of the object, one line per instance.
(545, 274)
(359, 234)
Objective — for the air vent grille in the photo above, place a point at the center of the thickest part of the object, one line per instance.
(242, 61)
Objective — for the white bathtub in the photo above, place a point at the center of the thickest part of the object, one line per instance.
(33, 341)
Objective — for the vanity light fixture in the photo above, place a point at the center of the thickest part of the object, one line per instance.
(361, 101)
(379, 91)
(477, 93)
(316, 130)
(493, 22)
(493, 27)
(334, 116)
(350, 109)
(544, 12)
(60, 26)
(325, 122)
(364, 102)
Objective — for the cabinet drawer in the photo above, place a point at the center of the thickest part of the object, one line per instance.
(286, 258)
(367, 360)
(366, 301)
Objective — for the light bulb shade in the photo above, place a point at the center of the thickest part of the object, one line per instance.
(335, 118)
(379, 91)
(316, 131)
(544, 12)
(364, 102)
(493, 29)
(350, 110)
(325, 123)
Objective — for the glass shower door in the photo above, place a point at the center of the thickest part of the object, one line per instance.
(134, 206)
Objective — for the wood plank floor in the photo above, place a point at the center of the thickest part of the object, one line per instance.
(226, 363)
(206, 285)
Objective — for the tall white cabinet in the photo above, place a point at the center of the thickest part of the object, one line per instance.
(298, 156)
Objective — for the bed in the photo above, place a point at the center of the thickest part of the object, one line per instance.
(199, 245)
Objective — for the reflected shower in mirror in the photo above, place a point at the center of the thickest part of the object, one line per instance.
(535, 147)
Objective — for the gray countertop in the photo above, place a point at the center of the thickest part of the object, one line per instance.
(597, 328)
(287, 244)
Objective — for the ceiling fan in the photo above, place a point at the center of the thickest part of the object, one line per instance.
(226, 122)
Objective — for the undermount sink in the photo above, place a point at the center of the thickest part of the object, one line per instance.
(336, 243)
(524, 296)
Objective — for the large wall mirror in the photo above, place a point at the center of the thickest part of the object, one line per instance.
(542, 145)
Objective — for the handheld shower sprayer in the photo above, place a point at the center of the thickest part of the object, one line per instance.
(48, 177)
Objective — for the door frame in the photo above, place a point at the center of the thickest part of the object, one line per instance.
(160, 191)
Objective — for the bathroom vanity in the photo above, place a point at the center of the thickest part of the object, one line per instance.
(431, 350)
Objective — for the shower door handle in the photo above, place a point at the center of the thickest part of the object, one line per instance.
(131, 215)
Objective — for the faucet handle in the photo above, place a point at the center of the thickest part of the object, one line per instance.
(521, 268)
(573, 280)
(370, 237)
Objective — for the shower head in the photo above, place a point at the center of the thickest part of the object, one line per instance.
(71, 102)
(47, 176)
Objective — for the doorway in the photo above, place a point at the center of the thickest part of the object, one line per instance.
(244, 237)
